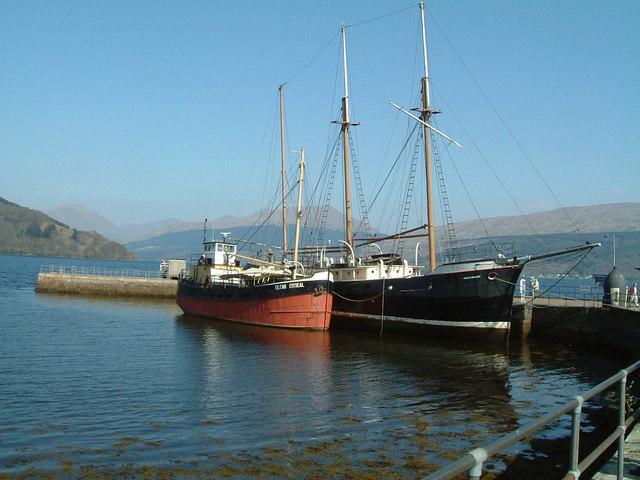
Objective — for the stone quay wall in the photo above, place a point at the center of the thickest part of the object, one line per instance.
(106, 285)
(608, 328)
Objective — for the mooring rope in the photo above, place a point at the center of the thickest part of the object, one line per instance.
(382, 310)
(564, 275)
(354, 300)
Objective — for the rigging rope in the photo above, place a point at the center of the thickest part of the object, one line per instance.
(409, 192)
(380, 17)
(269, 216)
(406, 142)
(488, 164)
(504, 123)
(328, 195)
(364, 216)
(466, 190)
(313, 59)
(448, 227)
(252, 168)
(563, 276)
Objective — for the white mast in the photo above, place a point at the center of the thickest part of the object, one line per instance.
(343, 30)
(298, 215)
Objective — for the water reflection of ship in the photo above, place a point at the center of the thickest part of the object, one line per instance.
(448, 377)
(250, 376)
(437, 395)
(457, 378)
(300, 341)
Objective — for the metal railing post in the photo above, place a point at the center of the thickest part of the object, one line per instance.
(480, 455)
(621, 424)
(575, 436)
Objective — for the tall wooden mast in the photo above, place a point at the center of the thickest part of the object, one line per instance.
(345, 138)
(298, 215)
(426, 113)
(284, 175)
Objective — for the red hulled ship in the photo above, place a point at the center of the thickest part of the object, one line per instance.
(267, 295)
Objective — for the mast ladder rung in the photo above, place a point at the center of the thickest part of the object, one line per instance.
(409, 192)
(449, 230)
(327, 200)
(361, 200)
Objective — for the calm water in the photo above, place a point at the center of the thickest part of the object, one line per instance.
(98, 387)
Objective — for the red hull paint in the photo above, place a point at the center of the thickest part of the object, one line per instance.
(304, 311)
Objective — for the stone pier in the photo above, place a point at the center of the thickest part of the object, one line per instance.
(123, 286)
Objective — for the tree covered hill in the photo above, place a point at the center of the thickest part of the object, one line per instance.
(29, 232)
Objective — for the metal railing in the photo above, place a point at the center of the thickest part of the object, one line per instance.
(565, 296)
(473, 461)
(570, 296)
(101, 271)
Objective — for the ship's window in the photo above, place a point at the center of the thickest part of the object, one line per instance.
(233, 249)
(219, 247)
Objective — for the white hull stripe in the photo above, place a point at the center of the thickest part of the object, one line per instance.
(423, 321)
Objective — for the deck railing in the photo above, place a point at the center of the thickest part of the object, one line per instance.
(473, 461)
(101, 271)
(570, 296)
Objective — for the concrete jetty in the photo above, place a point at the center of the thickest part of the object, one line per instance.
(120, 282)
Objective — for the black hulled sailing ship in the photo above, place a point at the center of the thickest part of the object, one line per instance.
(385, 292)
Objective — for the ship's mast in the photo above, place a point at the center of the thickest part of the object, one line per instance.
(345, 138)
(298, 215)
(426, 113)
(284, 175)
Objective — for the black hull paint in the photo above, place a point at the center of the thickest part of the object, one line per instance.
(469, 303)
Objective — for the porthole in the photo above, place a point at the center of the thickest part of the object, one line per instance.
(492, 276)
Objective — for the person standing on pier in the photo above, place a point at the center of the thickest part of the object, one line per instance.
(535, 286)
(633, 293)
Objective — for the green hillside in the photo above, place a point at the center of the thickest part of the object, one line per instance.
(29, 232)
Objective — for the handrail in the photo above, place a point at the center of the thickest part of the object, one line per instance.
(472, 461)
(100, 271)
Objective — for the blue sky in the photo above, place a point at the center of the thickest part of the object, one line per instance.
(152, 109)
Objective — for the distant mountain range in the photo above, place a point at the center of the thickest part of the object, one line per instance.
(29, 232)
(77, 216)
(612, 217)
(609, 217)
(533, 233)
